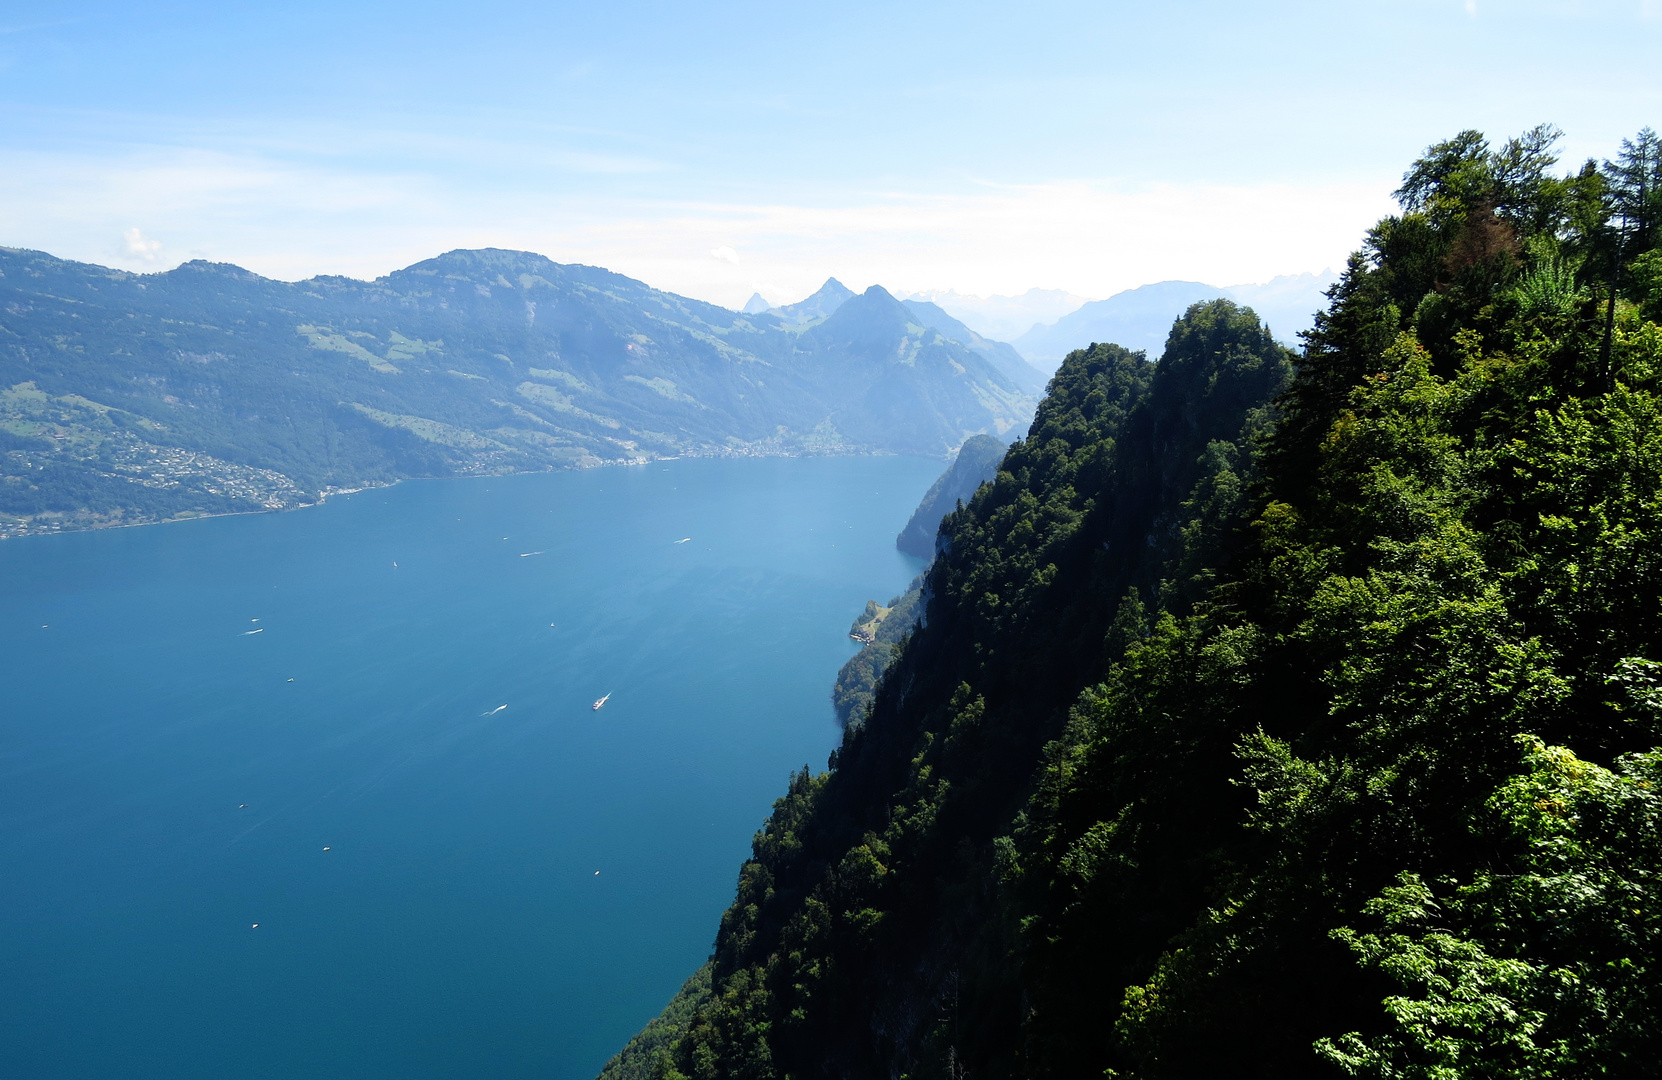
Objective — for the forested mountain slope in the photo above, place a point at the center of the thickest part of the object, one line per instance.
(976, 463)
(1270, 716)
(881, 629)
(207, 389)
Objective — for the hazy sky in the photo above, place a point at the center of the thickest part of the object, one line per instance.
(715, 149)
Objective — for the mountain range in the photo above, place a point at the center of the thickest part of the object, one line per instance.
(833, 294)
(127, 398)
(1140, 318)
(1004, 317)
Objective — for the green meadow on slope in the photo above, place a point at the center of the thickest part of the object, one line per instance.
(1268, 714)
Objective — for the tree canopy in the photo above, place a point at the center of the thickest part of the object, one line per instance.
(1271, 714)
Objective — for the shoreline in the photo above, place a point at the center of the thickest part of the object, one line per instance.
(330, 493)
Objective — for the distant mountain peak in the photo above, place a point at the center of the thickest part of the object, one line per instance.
(827, 299)
(871, 316)
(478, 263)
(1140, 318)
(1002, 318)
(755, 305)
(204, 266)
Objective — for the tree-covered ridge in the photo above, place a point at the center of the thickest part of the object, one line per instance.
(645, 1056)
(1264, 727)
(881, 629)
(207, 389)
(857, 867)
(976, 463)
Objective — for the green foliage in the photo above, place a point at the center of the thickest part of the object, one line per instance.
(647, 1055)
(976, 463)
(1265, 727)
(1548, 291)
(841, 902)
(1548, 970)
(1634, 180)
(882, 631)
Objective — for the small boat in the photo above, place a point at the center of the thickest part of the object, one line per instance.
(496, 710)
(683, 540)
(602, 701)
(528, 554)
(261, 630)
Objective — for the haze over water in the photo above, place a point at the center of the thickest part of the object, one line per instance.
(164, 785)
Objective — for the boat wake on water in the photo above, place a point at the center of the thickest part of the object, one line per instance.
(494, 711)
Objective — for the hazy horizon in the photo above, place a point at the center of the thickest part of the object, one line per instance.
(721, 152)
(977, 311)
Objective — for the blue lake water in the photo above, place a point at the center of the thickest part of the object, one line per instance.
(164, 785)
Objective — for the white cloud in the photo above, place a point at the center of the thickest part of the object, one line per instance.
(1093, 239)
(141, 246)
(292, 220)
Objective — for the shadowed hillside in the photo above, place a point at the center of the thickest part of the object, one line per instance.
(1268, 716)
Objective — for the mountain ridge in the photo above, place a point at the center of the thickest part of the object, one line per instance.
(1001, 354)
(1268, 714)
(127, 398)
(1139, 318)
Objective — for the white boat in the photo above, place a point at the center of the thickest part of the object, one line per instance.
(602, 701)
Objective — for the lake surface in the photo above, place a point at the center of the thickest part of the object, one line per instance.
(421, 864)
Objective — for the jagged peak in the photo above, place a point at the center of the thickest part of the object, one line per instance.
(822, 303)
(832, 288)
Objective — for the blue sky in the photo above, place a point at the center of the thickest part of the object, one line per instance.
(718, 149)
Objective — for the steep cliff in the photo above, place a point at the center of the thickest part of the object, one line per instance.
(976, 463)
(1271, 728)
